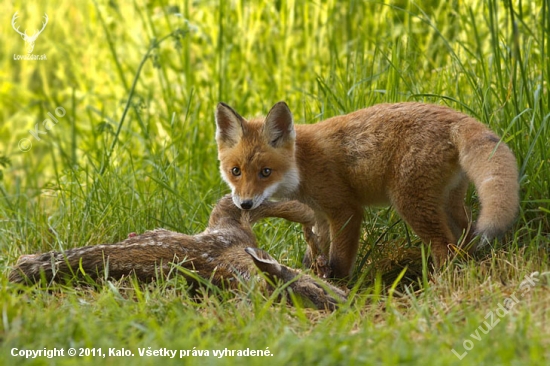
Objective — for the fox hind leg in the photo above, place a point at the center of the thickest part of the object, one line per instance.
(458, 215)
(429, 220)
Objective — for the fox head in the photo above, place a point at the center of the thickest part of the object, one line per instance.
(257, 156)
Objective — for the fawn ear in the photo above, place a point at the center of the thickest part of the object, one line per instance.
(264, 261)
(279, 126)
(229, 125)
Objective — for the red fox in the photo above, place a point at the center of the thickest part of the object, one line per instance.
(417, 157)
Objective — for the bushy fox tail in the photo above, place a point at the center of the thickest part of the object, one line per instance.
(492, 167)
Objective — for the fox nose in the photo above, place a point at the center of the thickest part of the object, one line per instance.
(247, 204)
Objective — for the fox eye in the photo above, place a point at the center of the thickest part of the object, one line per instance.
(266, 172)
(236, 171)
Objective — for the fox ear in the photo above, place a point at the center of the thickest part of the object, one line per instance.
(279, 127)
(229, 125)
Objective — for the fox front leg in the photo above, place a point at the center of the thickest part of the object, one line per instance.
(318, 240)
(345, 228)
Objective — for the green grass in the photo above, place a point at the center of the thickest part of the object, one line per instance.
(96, 176)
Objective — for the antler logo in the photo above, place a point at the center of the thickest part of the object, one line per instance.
(29, 40)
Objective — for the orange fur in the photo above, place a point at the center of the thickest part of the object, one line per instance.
(417, 157)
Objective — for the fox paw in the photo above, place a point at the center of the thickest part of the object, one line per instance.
(321, 267)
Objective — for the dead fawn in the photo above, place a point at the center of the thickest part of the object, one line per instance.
(223, 253)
